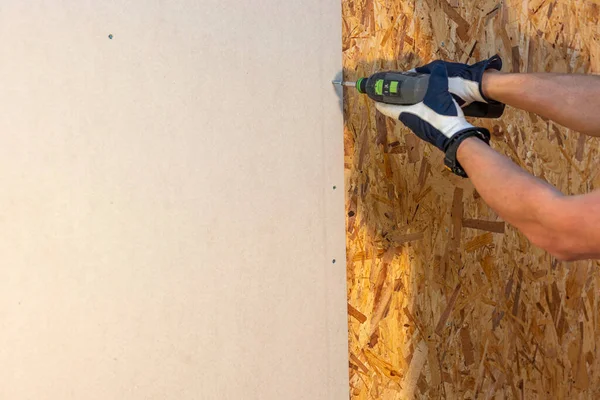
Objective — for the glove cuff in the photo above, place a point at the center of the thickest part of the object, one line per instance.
(491, 109)
(494, 62)
(452, 147)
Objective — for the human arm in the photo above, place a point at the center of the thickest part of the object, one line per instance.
(565, 226)
(570, 100)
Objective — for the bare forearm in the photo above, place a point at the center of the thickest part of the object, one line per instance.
(568, 99)
(518, 197)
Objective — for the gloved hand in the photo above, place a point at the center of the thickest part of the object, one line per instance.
(465, 81)
(437, 119)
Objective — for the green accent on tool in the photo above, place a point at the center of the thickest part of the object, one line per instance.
(358, 85)
(379, 87)
(404, 88)
(407, 88)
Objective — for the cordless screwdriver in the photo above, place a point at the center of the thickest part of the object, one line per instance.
(407, 88)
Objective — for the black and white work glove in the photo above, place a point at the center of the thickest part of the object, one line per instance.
(438, 119)
(465, 81)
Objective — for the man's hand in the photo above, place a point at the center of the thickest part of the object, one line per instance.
(465, 81)
(437, 119)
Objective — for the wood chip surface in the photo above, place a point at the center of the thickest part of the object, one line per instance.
(445, 299)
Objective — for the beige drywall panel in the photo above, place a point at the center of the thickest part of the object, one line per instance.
(168, 221)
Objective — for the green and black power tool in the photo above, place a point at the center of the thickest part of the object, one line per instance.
(406, 88)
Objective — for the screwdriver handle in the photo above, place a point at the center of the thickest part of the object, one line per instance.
(401, 88)
(407, 88)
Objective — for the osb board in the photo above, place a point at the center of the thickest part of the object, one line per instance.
(445, 301)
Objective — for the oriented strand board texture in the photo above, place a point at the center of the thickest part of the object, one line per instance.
(445, 301)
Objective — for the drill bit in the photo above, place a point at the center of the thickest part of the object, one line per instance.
(344, 83)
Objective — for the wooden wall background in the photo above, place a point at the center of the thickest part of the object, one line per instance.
(444, 300)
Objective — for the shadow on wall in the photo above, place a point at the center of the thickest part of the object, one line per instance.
(339, 90)
(378, 147)
(382, 147)
(412, 265)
